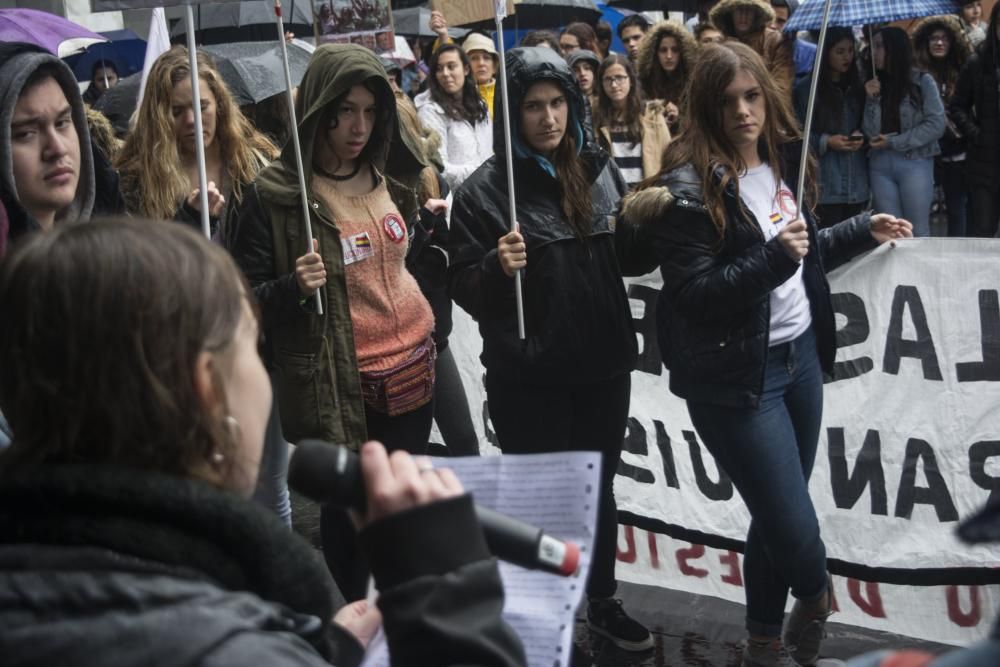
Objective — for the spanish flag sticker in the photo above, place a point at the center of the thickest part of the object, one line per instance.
(775, 218)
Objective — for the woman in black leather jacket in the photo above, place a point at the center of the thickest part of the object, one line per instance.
(746, 327)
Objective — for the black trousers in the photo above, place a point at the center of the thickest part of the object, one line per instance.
(347, 564)
(587, 417)
(984, 212)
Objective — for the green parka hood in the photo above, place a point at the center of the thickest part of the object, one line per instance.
(722, 16)
(647, 59)
(333, 70)
(920, 35)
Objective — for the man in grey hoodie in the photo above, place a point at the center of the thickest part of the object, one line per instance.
(46, 161)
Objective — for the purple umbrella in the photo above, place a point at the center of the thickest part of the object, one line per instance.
(53, 33)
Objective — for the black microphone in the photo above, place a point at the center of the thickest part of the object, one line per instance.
(327, 473)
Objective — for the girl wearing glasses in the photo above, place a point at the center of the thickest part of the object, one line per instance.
(941, 48)
(633, 132)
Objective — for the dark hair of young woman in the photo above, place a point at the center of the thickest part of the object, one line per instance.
(469, 105)
(896, 76)
(829, 105)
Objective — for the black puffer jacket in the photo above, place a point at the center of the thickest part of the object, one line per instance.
(714, 311)
(577, 319)
(975, 108)
(121, 568)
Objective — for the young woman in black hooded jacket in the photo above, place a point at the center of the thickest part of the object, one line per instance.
(566, 386)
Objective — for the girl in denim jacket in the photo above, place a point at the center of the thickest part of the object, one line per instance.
(836, 132)
(903, 120)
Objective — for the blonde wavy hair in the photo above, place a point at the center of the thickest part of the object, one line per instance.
(153, 179)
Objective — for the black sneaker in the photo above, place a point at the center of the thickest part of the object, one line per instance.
(607, 618)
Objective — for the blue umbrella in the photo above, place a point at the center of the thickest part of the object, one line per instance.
(848, 13)
(821, 14)
(125, 51)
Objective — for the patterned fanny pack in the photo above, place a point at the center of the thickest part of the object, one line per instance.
(404, 388)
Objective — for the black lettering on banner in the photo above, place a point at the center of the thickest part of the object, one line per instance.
(649, 358)
(635, 443)
(935, 493)
(989, 322)
(868, 473)
(721, 490)
(667, 454)
(855, 331)
(897, 347)
(978, 455)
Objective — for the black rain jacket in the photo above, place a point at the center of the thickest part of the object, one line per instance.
(578, 323)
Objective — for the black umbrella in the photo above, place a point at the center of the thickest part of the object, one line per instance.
(118, 103)
(541, 14)
(686, 6)
(253, 70)
(249, 21)
(413, 22)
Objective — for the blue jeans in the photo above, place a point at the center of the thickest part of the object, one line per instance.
(768, 452)
(272, 480)
(904, 188)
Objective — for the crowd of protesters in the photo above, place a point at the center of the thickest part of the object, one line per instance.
(202, 360)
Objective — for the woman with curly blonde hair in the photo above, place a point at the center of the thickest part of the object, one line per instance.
(158, 163)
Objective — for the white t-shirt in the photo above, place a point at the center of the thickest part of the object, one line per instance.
(774, 208)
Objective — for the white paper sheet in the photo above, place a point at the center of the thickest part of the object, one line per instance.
(559, 494)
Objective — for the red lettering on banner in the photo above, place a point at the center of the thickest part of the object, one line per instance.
(873, 604)
(963, 619)
(734, 577)
(654, 552)
(684, 555)
(834, 605)
(628, 556)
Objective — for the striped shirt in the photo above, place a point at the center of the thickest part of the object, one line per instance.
(628, 157)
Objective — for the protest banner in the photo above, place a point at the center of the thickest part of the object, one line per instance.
(910, 444)
(461, 12)
(364, 22)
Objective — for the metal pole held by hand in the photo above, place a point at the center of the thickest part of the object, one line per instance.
(199, 142)
(499, 12)
(297, 147)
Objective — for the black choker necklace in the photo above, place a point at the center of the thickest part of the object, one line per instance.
(334, 177)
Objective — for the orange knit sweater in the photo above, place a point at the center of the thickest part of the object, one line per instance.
(390, 315)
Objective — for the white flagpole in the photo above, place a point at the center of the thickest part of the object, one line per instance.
(199, 144)
(297, 147)
(818, 65)
(499, 12)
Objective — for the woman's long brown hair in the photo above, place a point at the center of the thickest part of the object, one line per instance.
(703, 142)
(574, 185)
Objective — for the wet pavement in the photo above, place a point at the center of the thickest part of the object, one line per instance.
(688, 630)
(700, 631)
